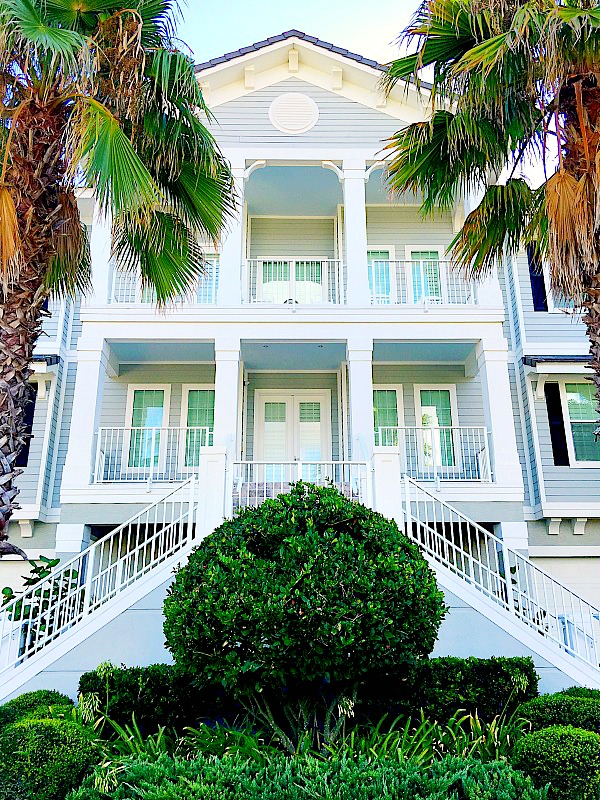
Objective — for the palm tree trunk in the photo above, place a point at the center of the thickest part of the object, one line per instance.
(592, 322)
(20, 325)
(34, 178)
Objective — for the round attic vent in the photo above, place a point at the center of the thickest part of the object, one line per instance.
(293, 113)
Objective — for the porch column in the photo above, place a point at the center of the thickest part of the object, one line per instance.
(492, 361)
(216, 469)
(93, 365)
(355, 232)
(100, 245)
(360, 387)
(229, 292)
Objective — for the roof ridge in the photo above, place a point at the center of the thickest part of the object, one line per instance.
(293, 33)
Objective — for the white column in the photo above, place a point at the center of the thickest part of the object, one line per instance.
(489, 293)
(227, 371)
(232, 246)
(360, 386)
(355, 232)
(71, 538)
(92, 367)
(100, 246)
(492, 361)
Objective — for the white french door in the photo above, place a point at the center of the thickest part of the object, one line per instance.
(292, 427)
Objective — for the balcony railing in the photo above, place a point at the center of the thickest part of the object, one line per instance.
(301, 281)
(440, 453)
(253, 482)
(148, 455)
(127, 288)
(418, 283)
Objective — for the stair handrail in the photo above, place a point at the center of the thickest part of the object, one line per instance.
(578, 634)
(81, 585)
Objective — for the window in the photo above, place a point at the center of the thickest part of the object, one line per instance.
(28, 414)
(380, 278)
(582, 422)
(436, 409)
(558, 438)
(385, 413)
(147, 414)
(199, 422)
(426, 276)
(537, 280)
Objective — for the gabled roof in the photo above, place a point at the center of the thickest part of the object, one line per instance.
(293, 34)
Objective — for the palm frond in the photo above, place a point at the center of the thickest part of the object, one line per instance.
(69, 272)
(165, 253)
(109, 162)
(498, 226)
(10, 239)
(25, 18)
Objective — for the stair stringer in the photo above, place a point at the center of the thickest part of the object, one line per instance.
(67, 641)
(575, 669)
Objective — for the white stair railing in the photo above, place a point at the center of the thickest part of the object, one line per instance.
(504, 575)
(85, 583)
(253, 482)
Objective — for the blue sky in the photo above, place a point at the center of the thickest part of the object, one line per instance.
(212, 28)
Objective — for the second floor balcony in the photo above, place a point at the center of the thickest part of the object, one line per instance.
(310, 281)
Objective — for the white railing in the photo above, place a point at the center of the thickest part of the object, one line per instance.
(418, 283)
(293, 281)
(504, 575)
(148, 455)
(83, 585)
(445, 453)
(253, 482)
(126, 287)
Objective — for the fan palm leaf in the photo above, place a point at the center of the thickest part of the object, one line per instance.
(510, 80)
(94, 92)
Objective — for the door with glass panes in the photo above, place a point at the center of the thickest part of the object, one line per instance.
(438, 451)
(291, 428)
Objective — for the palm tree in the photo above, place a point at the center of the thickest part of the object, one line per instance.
(511, 81)
(94, 93)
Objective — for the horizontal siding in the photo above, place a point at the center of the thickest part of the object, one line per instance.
(562, 484)
(469, 397)
(341, 121)
(28, 481)
(75, 323)
(114, 401)
(291, 381)
(515, 388)
(65, 429)
(504, 288)
(402, 226)
(292, 238)
(543, 326)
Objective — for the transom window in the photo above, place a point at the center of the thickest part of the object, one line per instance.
(582, 421)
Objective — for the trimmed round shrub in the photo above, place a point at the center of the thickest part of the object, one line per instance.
(36, 703)
(12, 789)
(307, 587)
(562, 709)
(301, 778)
(48, 756)
(566, 758)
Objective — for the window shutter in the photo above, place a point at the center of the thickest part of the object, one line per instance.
(538, 285)
(28, 414)
(557, 425)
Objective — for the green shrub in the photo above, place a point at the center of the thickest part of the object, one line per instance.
(301, 778)
(36, 703)
(308, 593)
(12, 789)
(562, 709)
(565, 757)
(50, 756)
(442, 686)
(582, 691)
(158, 695)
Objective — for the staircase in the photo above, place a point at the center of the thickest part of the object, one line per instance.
(80, 596)
(89, 592)
(509, 589)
